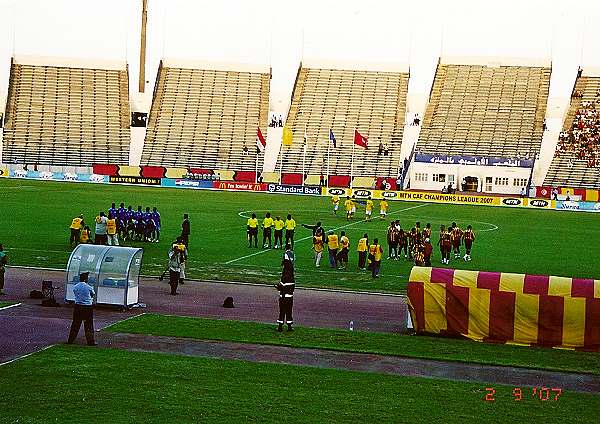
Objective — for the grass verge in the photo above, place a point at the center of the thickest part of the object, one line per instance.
(76, 384)
(360, 341)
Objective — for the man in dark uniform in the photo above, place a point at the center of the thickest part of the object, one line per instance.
(83, 310)
(3, 262)
(286, 296)
(185, 230)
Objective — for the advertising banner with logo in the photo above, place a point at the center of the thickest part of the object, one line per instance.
(540, 203)
(577, 206)
(184, 183)
(474, 160)
(4, 172)
(57, 176)
(417, 196)
(235, 186)
(293, 189)
(134, 180)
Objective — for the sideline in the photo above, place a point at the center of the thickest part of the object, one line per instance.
(333, 229)
(10, 306)
(238, 283)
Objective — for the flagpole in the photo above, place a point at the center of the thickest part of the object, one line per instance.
(352, 162)
(281, 164)
(256, 168)
(304, 163)
(329, 141)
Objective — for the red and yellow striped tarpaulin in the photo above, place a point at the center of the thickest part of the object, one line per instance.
(506, 308)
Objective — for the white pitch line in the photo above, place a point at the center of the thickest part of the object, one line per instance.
(332, 229)
(14, 305)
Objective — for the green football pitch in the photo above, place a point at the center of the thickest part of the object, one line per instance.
(35, 219)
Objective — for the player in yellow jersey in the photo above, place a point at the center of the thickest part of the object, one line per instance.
(348, 206)
(84, 237)
(336, 203)
(267, 224)
(76, 225)
(353, 207)
(363, 247)
(252, 230)
(383, 208)
(343, 253)
(278, 224)
(290, 226)
(369, 208)
(318, 248)
(375, 253)
(332, 247)
(111, 230)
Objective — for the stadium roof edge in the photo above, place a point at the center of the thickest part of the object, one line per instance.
(495, 61)
(69, 62)
(216, 66)
(347, 65)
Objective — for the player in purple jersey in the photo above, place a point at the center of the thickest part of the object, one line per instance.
(156, 220)
(113, 210)
(130, 222)
(122, 221)
(139, 223)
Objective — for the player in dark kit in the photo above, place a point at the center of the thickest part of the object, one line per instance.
(456, 234)
(412, 241)
(469, 238)
(445, 244)
(122, 221)
(402, 242)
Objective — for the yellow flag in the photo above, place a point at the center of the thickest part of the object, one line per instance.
(288, 135)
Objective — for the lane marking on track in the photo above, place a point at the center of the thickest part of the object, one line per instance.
(332, 229)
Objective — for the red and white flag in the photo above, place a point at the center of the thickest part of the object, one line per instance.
(359, 139)
(261, 143)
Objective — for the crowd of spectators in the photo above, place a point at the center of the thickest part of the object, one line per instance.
(582, 141)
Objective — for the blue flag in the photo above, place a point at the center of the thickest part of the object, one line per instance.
(332, 138)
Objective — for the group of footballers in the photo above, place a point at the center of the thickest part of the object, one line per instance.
(350, 207)
(416, 243)
(121, 222)
(271, 227)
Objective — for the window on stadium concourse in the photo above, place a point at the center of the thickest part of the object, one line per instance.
(421, 176)
(501, 181)
(519, 182)
(440, 178)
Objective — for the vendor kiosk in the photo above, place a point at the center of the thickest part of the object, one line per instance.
(114, 273)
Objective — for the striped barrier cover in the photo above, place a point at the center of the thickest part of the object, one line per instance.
(506, 308)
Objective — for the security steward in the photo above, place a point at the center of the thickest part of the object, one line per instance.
(76, 226)
(286, 296)
(83, 310)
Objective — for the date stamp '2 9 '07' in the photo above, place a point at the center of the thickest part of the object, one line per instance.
(543, 393)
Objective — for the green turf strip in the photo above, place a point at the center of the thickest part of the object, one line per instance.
(360, 341)
(5, 304)
(83, 385)
(38, 215)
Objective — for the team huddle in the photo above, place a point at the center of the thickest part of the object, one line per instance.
(120, 223)
(416, 244)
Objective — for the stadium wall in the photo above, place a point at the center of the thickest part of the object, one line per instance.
(456, 173)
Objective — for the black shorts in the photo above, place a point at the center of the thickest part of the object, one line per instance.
(253, 231)
(267, 232)
(343, 255)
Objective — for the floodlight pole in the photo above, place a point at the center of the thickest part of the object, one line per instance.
(142, 80)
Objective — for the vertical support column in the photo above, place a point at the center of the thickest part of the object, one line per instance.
(142, 80)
